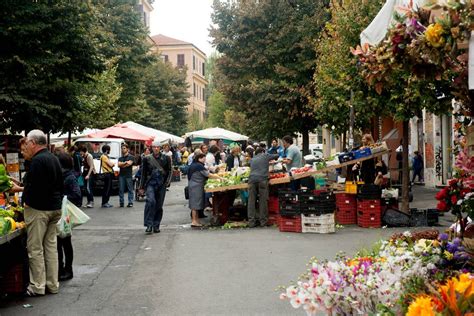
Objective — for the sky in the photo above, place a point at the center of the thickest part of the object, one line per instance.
(186, 20)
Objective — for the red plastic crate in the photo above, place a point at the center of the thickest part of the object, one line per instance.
(369, 218)
(273, 219)
(273, 205)
(290, 224)
(346, 215)
(13, 282)
(364, 205)
(318, 192)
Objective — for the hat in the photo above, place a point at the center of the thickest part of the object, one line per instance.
(159, 143)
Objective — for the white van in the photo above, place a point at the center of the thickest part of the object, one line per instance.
(94, 147)
(316, 150)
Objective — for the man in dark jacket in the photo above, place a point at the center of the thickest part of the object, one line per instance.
(155, 178)
(258, 185)
(42, 198)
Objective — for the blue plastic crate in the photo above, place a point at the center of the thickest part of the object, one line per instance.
(361, 153)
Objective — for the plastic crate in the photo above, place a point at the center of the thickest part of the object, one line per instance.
(287, 195)
(346, 215)
(345, 157)
(290, 224)
(351, 188)
(323, 219)
(273, 219)
(361, 153)
(372, 218)
(273, 205)
(423, 218)
(318, 228)
(368, 205)
(289, 208)
(345, 199)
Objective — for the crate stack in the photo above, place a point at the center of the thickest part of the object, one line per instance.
(346, 209)
(273, 210)
(369, 208)
(317, 211)
(290, 215)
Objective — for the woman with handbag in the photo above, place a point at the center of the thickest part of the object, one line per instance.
(197, 177)
(73, 192)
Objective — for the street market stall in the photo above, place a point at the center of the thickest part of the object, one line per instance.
(216, 133)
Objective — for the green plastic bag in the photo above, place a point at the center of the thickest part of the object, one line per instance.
(64, 227)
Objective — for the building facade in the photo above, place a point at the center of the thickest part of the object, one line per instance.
(188, 57)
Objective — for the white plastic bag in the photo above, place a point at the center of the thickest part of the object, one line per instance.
(64, 227)
(76, 215)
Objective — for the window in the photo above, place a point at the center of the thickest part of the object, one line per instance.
(203, 69)
(194, 89)
(180, 60)
(165, 58)
(194, 62)
(203, 94)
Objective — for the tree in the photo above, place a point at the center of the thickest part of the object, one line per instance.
(126, 39)
(166, 98)
(337, 75)
(267, 62)
(42, 67)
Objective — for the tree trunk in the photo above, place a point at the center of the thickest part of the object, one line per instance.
(344, 145)
(405, 171)
(305, 135)
(69, 138)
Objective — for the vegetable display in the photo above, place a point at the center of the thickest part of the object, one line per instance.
(11, 218)
(5, 183)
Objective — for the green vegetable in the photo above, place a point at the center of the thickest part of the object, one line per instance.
(6, 213)
(5, 226)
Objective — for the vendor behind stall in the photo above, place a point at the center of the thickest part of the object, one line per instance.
(258, 185)
(366, 167)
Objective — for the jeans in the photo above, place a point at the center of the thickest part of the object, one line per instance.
(88, 191)
(260, 189)
(155, 197)
(417, 172)
(107, 188)
(126, 182)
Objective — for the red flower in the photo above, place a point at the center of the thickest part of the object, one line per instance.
(442, 206)
(464, 192)
(454, 199)
(453, 182)
(441, 195)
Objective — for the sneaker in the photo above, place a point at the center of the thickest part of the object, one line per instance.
(130, 205)
(121, 205)
(156, 230)
(148, 230)
(107, 205)
(90, 205)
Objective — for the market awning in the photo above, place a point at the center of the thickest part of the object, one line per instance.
(156, 134)
(217, 133)
(121, 131)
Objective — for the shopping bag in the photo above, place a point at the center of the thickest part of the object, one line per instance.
(64, 227)
(186, 192)
(80, 181)
(76, 215)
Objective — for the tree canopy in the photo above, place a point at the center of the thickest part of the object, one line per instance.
(268, 60)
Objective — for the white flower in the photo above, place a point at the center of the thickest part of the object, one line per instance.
(407, 233)
(296, 302)
(291, 292)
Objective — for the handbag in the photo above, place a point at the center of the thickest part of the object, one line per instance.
(186, 192)
(80, 180)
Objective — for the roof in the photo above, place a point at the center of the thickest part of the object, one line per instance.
(217, 133)
(162, 40)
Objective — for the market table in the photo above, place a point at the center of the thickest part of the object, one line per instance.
(223, 198)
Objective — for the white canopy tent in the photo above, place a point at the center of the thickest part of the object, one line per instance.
(157, 134)
(217, 133)
(61, 137)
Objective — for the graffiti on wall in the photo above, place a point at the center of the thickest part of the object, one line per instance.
(439, 162)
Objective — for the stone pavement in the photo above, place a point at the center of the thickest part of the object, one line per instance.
(118, 270)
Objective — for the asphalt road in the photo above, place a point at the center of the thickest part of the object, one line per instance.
(118, 270)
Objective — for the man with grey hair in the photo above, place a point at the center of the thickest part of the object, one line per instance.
(156, 177)
(42, 200)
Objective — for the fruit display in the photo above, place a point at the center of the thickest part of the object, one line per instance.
(278, 175)
(11, 218)
(301, 170)
(5, 183)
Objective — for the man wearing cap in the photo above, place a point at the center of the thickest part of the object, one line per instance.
(156, 177)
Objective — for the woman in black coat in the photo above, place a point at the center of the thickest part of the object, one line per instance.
(233, 160)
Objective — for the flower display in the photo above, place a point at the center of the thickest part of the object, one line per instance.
(434, 35)
(365, 284)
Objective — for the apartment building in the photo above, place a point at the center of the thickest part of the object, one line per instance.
(185, 55)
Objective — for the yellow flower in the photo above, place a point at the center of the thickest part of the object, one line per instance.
(434, 34)
(464, 285)
(435, 243)
(448, 255)
(422, 306)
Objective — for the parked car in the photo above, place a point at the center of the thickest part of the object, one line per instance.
(94, 147)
